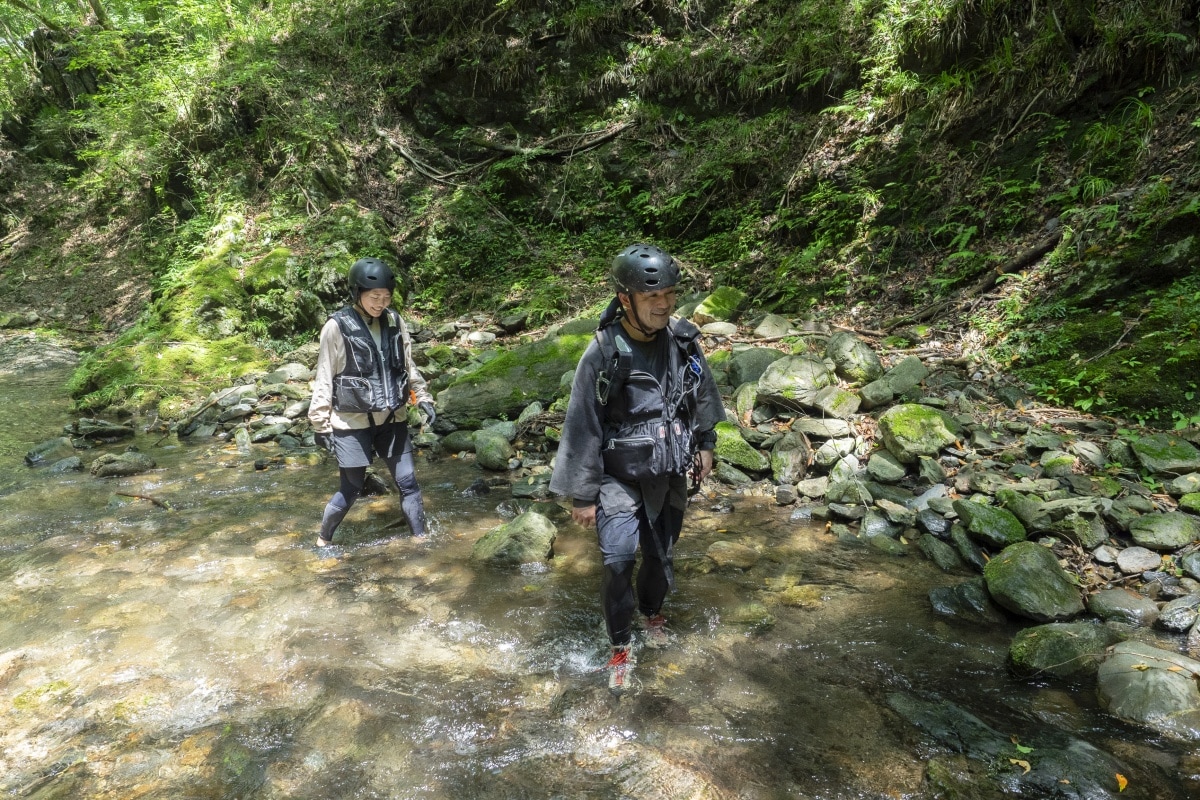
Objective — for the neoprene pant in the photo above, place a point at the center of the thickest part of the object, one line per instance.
(403, 472)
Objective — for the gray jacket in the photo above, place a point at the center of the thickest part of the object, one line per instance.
(579, 468)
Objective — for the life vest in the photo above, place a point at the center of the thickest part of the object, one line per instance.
(371, 381)
(647, 422)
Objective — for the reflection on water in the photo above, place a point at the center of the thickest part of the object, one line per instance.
(209, 651)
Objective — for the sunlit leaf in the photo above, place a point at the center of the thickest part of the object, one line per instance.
(1024, 765)
(1121, 782)
(1142, 667)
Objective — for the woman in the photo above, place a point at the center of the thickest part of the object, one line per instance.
(365, 376)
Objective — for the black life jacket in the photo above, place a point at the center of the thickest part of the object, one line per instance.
(371, 381)
(647, 422)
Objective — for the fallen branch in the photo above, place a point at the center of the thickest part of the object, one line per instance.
(1015, 264)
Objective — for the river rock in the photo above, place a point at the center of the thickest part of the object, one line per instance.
(876, 524)
(910, 431)
(1184, 484)
(773, 326)
(493, 449)
(729, 474)
(989, 525)
(288, 372)
(505, 385)
(1062, 768)
(1123, 605)
(792, 382)
(532, 487)
(722, 304)
(127, 463)
(528, 538)
(748, 365)
(933, 523)
(460, 441)
(1169, 531)
(1057, 463)
(734, 450)
(813, 488)
(971, 553)
(968, 601)
(940, 553)
(1136, 560)
(1179, 615)
(50, 451)
(101, 430)
(790, 458)
(732, 555)
(1165, 453)
(65, 465)
(853, 358)
(1152, 687)
(885, 467)
(1027, 579)
(836, 402)
(823, 428)
(1060, 648)
(1190, 502)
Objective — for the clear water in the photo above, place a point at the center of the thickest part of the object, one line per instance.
(208, 651)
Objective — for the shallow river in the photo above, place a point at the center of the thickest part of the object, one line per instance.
(207, 650)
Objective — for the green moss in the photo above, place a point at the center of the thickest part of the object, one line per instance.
(723, 304)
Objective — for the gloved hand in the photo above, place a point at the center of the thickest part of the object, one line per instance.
(324, 441)
(427, 407)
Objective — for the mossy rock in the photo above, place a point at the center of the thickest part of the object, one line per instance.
(529, 538)
(1061, 649)
(911, 430)
(723, 304)
(1165, 453)
(1026, 579)
(734, 450)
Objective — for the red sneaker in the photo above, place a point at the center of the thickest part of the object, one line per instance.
(617, 667)
(656, 630)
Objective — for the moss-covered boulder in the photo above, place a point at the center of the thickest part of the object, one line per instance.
(1166, 454)
(1169, 531)
(990, 525)
(506, 384)
(492, 449)
(527, 539)
(793, 382)
(1027, 579)
(1061, 648)
(790, 458)
(734, 450)
(723, 304)
(910, 431)
(853, 358)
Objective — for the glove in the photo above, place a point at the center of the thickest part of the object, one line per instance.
(324, 441)
(427, 407)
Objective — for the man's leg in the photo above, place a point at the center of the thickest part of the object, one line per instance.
(658, 548)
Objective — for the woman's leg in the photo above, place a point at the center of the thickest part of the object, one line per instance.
(404, 473)
(352, 480)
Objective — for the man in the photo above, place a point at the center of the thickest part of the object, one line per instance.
(365, 377)
(639, 424)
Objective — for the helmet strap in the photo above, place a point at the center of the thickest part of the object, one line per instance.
(634, 321)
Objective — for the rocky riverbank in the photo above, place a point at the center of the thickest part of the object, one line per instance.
(1081, 527)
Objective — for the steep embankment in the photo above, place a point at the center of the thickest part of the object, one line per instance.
(1020, 176)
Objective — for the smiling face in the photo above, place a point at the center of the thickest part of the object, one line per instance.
(647, 313)
(374, 301)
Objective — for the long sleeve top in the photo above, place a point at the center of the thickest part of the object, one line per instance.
(331, 360)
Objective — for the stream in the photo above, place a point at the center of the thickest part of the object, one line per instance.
(207, 650)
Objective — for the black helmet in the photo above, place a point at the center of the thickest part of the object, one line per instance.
(644, 268)
(369, 273)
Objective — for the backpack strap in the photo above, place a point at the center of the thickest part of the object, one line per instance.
(617, 358)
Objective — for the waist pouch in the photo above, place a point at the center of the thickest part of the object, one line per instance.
(353, 394)
(649, 450)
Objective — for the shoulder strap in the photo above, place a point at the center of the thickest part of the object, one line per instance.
(617, 360)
